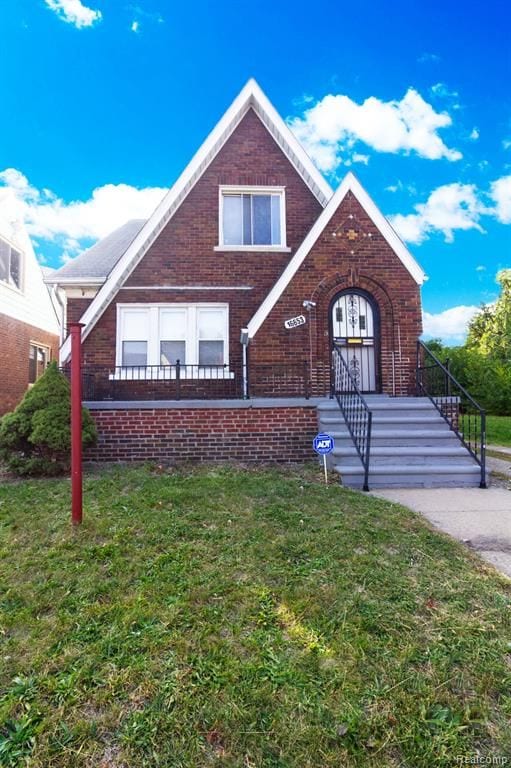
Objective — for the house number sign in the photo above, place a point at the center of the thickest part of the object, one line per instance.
(294, 322)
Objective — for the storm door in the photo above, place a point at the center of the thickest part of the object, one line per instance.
(354, 326)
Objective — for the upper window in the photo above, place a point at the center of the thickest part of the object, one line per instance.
(194, 334)
(10, 264)
(252, 217)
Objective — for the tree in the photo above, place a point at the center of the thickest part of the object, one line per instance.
(490, 330)
(35, 439)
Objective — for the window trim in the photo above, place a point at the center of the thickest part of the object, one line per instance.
(47, 349)
(8, 283)
(232, 189)
(153, 342)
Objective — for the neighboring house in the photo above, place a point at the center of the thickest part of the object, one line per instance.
(29, 327)
(238, 287)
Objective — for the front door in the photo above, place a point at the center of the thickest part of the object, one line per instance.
(354, 333)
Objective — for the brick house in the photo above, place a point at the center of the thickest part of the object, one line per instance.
(29, 325)
(233, 295)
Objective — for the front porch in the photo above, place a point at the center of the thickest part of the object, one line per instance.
(179, 382)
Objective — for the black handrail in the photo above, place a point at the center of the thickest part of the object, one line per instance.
(459, 409)
(354, 408)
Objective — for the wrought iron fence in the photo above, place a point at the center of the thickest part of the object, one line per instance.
(354, 408)
(194, 382)
(459, 409)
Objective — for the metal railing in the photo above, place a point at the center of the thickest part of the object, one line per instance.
(354, 408)
(195, 382)
(459, 409)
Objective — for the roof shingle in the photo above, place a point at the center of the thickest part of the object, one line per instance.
(99, 260)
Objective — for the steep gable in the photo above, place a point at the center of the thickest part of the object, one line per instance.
(349, 184)
(184, 251)
(251, 97)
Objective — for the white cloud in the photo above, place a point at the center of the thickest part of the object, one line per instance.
(480, 268)
(428, 57)
(48, 217)
(74, 12)
(500, 193)
(451, 325)
(449, 207)
(330, 129)
(358, 158)
(474, 134)
(441, 89)
(506, 143)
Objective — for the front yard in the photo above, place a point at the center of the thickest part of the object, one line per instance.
(499, 430)
(221, 617)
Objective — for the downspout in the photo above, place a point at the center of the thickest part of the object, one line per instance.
(244, 348)
(56, 293)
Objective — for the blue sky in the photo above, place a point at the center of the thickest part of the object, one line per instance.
(105, 101)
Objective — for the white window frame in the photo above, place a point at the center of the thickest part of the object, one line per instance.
(153, 367)
(47, 351)
(9, 282)
(225, 190)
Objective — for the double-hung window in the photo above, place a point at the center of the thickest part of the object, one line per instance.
(252, 218)
(158, 336)
(10, 264)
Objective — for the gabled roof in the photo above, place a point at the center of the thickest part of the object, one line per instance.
(250, 97)
(349, 184)
(96, 263)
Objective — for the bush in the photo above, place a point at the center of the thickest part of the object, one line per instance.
(35, 439)
(485, 377)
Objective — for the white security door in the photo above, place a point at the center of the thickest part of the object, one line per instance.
(353, 327)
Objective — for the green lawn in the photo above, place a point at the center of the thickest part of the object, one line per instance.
(220, 617)
(498, 430)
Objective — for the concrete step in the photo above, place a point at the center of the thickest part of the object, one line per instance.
(431, 421)
(411, 446)
(401, 476)
(401, 437)
(409, 455)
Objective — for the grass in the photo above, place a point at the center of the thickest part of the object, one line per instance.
(251, 619)
(499, 430)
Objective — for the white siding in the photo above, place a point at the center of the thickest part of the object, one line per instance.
(32, 304)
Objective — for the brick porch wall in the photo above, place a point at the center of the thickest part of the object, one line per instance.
(15, 338)
(247, 434)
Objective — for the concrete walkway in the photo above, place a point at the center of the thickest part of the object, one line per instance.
(479, 518)
(498, 460)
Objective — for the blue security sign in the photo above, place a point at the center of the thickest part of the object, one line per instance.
(323, 443)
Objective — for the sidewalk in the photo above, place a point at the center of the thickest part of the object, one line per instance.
(500, 464)
(479, 518)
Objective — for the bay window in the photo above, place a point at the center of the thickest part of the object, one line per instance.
(157, 336)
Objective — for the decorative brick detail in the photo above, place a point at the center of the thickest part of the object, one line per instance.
(332, 266)
(15, 338)
(280, 434)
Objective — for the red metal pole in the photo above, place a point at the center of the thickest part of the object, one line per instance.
(75, 330)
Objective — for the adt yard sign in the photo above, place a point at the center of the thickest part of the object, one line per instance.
(323, 443)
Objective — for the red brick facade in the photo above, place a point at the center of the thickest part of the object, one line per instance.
(350, 253)
(244, 434)
(15, 339)
(184, 252)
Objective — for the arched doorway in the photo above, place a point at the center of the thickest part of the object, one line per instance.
(355, 331)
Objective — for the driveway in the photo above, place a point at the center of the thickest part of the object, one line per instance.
(479, 518)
